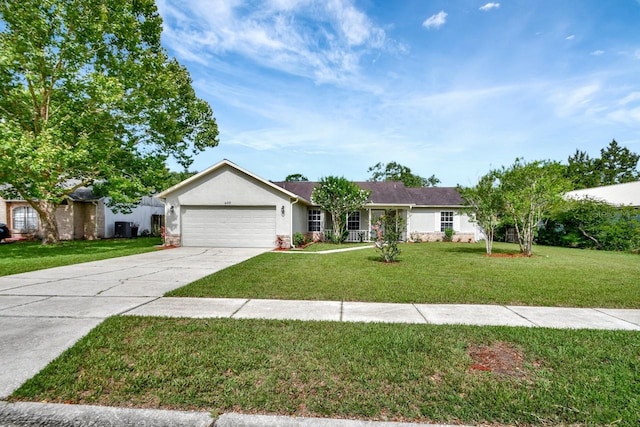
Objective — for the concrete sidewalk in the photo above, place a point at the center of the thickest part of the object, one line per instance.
(439, 314)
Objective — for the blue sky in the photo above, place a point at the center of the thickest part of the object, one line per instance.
(450, 88)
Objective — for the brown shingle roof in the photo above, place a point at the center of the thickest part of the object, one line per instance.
(389, 193)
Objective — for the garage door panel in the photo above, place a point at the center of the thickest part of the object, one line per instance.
(228, 227)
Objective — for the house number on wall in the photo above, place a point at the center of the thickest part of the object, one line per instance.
(227, 203)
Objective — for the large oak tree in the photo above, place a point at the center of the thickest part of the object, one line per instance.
(88, 96)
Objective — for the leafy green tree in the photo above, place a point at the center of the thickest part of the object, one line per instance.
(339, 197)
(530, 191)
(88, 96)
(389, 228)
(173, 178)
(590, 223)
(394, 171)
(296, 177)
(485, 205)
(615, 165)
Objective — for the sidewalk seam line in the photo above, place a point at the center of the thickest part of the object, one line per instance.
(239, 308)
(420, 313)
(137, 306)
(615, 317)
(522, 316)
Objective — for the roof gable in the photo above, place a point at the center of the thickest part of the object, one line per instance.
(218, 166)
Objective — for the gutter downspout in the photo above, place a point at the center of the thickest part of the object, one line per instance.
(291, 221)
(95, 223)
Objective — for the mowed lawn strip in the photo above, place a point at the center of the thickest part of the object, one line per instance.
(21, 257)
(435, 273)
(427, 373)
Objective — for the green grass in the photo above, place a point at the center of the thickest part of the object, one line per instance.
(319, 247)
(435, 273)
(422, 373)
(21, 257)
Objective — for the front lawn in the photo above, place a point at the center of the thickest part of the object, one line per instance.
(435, 273)
(424, 373)
(21, 257)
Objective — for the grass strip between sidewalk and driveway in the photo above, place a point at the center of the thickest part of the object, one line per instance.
(435, 273)
(21, 257)
(424, 373)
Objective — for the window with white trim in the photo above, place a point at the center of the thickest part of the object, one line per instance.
(25, 219)
(353, 221)
(314, 220)
(446, 220)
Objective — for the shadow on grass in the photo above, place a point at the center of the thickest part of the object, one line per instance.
(465, 248)
(35, 250)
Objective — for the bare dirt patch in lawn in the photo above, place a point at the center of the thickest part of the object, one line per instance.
(500, 358)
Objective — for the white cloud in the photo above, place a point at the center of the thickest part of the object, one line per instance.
(597, 52)
(490, 6)
(574, 100)
(435, 21)
(632, 97)
(315, 39)
(571, 37)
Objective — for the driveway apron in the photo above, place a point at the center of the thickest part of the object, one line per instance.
(42, 313)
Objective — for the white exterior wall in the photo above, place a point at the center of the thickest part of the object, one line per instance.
(3, 211)
(425, 224)
(300, 218)
(229, 187)
(140, 215)
(618, 194)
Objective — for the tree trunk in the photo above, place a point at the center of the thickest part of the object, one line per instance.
(47, 213)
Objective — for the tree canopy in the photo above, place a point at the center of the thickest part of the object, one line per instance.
(296, 177)
(616, 165)
(90, 97)
(394, 171)
(485, 205)
(529, 192)
(339, 197)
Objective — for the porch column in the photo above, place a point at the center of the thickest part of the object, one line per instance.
(369, 227)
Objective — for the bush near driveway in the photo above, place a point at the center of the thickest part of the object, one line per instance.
(435, 273)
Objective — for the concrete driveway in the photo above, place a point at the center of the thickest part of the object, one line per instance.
(44, 312)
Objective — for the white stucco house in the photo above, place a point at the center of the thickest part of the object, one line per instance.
(626, 194)
(228, 206)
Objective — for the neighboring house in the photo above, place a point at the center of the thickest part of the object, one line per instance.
(627, 194)
(81, 216)
(227, 206)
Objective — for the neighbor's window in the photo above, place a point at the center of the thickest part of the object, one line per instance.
(314, 220)
(25, 218)
(353, 221)
(446, 220)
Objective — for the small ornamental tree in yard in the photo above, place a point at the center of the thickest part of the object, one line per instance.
(388, 229)
(89, 97)
(530, 191)
(339, 196)
(485, 205)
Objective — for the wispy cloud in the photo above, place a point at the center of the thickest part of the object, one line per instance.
(571, 37)
(435, 21)
(324, 41)
(597, 52)
(490, 6)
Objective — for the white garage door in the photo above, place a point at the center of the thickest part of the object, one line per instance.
(229, 227)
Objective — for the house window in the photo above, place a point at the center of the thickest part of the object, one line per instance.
(314, 220)
(353, 221)
(446, 220)
(25, 219)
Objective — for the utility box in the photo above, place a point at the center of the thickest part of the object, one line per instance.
(122, 229)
